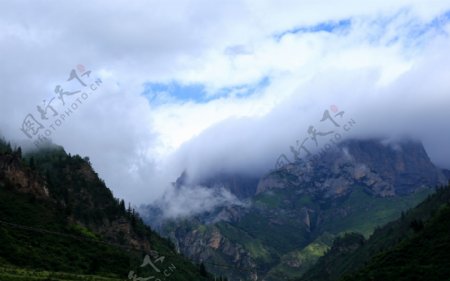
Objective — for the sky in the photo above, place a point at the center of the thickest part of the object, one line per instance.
(149, 89)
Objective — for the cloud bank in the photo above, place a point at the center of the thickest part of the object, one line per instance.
(225, 86)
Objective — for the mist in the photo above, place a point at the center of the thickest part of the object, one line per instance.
(225, 89)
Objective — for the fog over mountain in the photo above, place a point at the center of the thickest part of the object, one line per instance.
(228, 86)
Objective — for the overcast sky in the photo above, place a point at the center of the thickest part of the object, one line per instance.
(211, 86)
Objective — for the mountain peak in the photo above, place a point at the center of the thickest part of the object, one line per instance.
(384, 168)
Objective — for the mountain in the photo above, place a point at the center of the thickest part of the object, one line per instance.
(385, 169)
(414, 247)
(242, 186)
(447, 174)
(298, 209)
(58, 221)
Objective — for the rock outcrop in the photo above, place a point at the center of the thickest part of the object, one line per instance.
(385, 169)
(354, 187)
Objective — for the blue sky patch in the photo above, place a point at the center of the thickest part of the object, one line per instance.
(329, 26)
(436, 24)
(195, 92)
(158, 93)
(242, 91)
(417, 32)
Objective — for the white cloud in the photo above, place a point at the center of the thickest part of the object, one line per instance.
(388, 69)
(188, 201)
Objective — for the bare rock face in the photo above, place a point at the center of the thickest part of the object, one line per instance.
(205, 243)
(25, 180)
(242, 186)
(297, 204)
(447, 174)
(385, 169)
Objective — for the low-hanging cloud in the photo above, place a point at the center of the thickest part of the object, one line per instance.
(387, 69)
(185, 201)
(405, 108)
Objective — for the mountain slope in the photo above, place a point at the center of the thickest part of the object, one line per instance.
(424, 256)
(57, 215)
(414, 247)
(358, 186)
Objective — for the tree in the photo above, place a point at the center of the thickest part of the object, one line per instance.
(19, 152)
(4, 146)
(416, 225)
(87, 160)
(203, 271)
(122, 205)
(32, 164)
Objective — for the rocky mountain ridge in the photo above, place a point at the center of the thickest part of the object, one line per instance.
(355, 187)
(385, 169)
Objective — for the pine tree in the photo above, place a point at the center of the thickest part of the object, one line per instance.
(32, 164)
(203, 271)
(19, 152)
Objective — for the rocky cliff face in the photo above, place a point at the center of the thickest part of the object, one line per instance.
(447, 174)
(23, 178)
(385, 169)
(242, 186)
(210, 245)
(355, 187)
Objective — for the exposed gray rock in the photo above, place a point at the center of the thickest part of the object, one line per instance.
(381, 170)
(385, 169)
